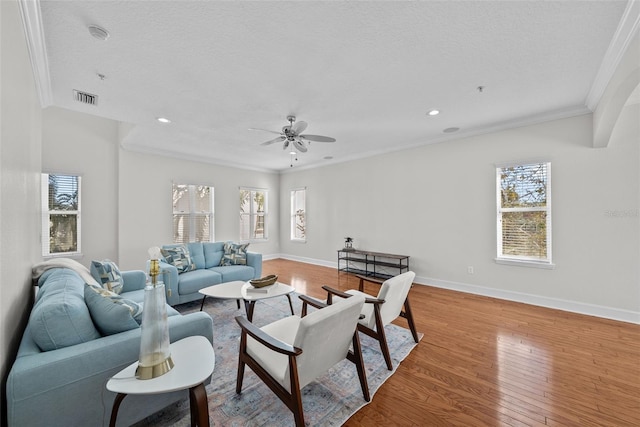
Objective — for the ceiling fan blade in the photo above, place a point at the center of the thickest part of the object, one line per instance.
(298, 127)
(274, 140)
(299, 145)
(266, 130)
(318, 138)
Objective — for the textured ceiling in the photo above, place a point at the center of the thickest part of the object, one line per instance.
(364, 73)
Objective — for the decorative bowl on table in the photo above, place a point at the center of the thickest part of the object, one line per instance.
(264, 281)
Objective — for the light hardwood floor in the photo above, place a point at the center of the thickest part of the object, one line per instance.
(489, 362)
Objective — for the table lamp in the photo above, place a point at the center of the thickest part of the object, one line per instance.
(155, 357)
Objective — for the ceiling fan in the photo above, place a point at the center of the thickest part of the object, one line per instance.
(291, 135)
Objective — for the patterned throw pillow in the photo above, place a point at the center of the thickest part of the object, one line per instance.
(107, 274)
(179, 257)
(110, 312)
(234, 254)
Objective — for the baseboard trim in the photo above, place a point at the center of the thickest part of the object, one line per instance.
(537, 300)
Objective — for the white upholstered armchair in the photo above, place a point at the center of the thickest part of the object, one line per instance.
(291, 352)
(381, 310)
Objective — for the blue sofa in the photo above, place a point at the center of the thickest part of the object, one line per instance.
(184, 287)
(64, 385)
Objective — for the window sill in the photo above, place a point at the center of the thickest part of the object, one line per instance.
(526, 263)
(298, 241)
(73, 255)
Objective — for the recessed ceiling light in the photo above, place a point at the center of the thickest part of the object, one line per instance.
(98, 32)
(163, 120)
(433, 112)
(328, 157)
(451, 130)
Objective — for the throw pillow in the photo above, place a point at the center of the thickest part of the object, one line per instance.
(179, 257)
(107, 274)
(234, 254)
(110, 312)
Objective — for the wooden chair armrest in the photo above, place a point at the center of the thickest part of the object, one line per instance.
(370, 279)
(265, 339)
(341, 294)
(311, 301)
(306, 301)
(336, 292)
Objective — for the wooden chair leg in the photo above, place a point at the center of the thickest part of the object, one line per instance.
(295, 397)
(241, 363)
(382, 338)
(409, 316)
(298, 413)
(240, 377)
(359, 362)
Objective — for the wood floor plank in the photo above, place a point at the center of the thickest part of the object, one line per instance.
(490, 362)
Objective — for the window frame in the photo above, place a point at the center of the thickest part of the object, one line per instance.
(294, 209)
(47, 212)
(523, 260)
(192, 214)
(251, 214)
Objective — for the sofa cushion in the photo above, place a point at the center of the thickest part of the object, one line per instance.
(234, 254)
(179, 257)
(235, 272)
(60, 317)
(193, 281)
(110, 312)
(213, 252)
(106, 273)
(196, 252)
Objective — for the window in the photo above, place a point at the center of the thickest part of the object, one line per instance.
(192, 213)
(253, 214)
(524, 213)
(298, 215)
(60, 214)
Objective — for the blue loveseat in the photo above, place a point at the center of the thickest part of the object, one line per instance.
(183, 287)
(64, 383)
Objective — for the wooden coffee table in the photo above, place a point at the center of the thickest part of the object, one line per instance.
(238, 291)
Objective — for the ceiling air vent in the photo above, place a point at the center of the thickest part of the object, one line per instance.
(85, 98)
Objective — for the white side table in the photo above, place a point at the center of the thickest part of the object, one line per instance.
(194, 361)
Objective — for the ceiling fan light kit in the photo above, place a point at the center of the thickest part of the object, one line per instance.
(292, 137)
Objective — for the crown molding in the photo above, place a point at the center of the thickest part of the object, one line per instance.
(627, 28)
(34, 34)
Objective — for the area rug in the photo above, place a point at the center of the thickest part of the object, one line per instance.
(329, 401)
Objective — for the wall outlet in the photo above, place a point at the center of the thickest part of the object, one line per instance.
(470, 270)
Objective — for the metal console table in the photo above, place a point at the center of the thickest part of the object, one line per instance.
(372, 264)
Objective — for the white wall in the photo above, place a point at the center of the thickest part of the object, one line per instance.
(20, 124)
(145, 202)
(82, 144)
(437, 204)
(126, 196)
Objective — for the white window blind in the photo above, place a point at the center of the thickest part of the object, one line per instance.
(253, 214)
(524, 212)
(60, 214)
(193, 213)
(298, 215)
